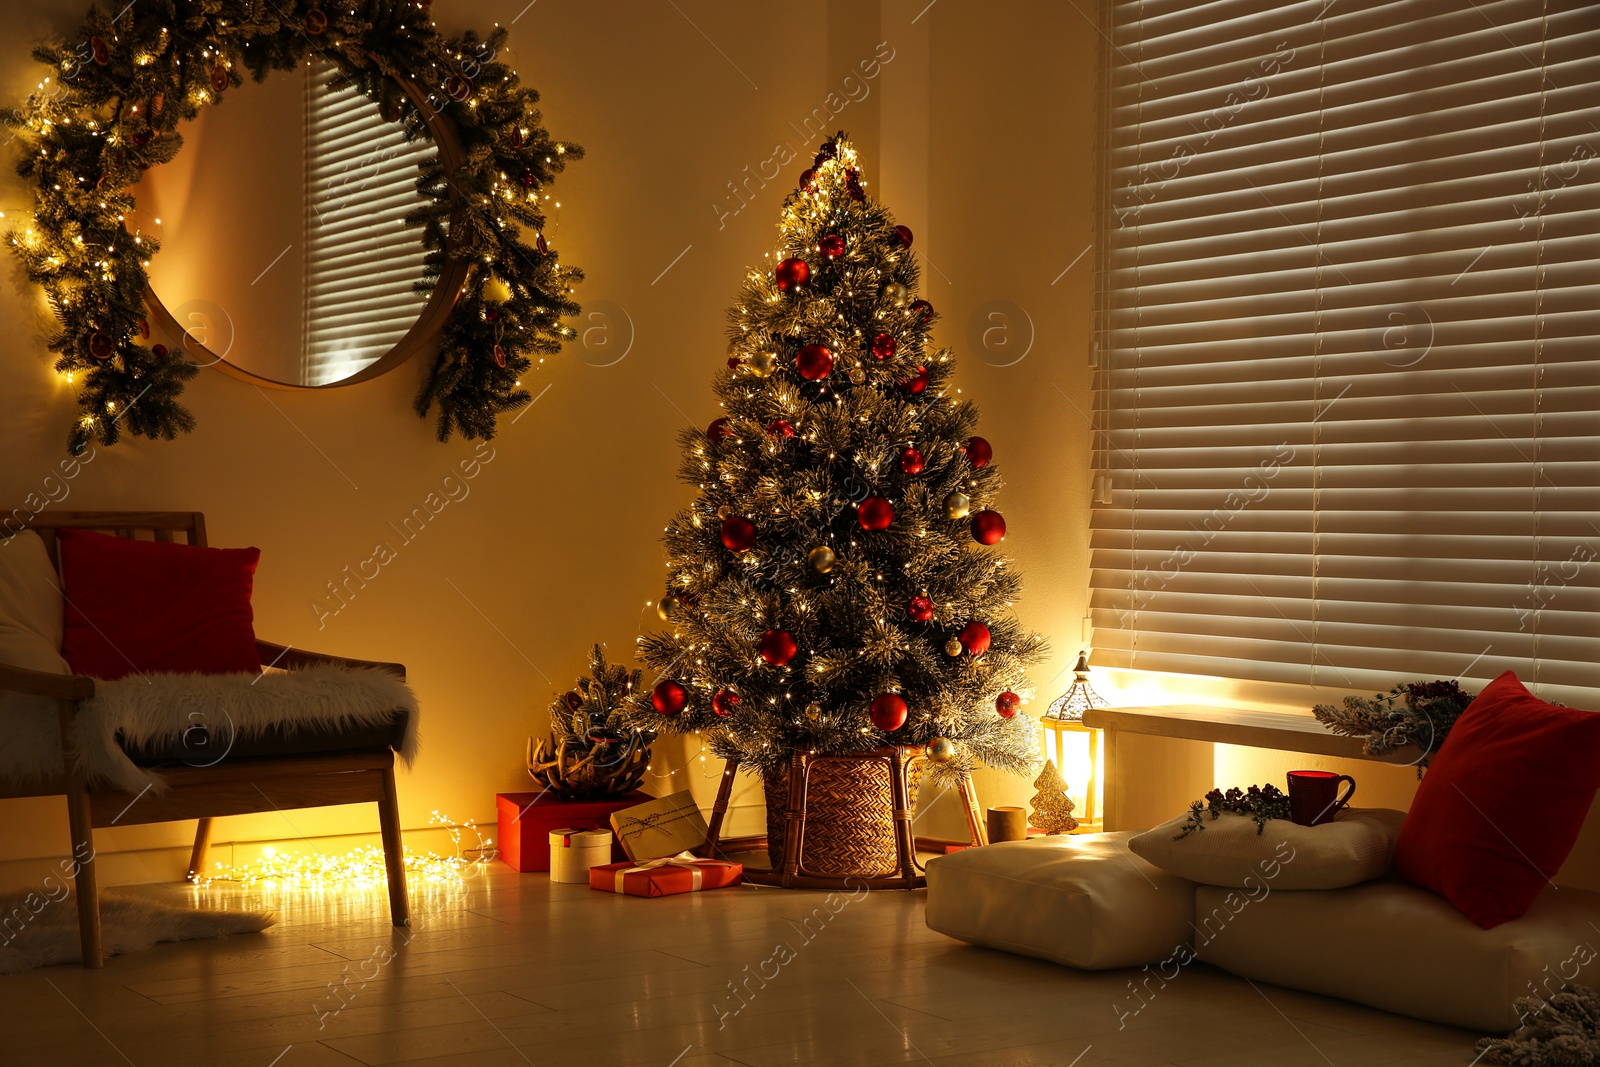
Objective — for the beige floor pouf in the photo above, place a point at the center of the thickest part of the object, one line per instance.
(1403, 949)
(1084, 901)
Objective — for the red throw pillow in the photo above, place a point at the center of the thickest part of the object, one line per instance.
(1501, 805)
(135, 607)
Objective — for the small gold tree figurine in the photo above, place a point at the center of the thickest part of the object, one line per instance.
(1052, 808)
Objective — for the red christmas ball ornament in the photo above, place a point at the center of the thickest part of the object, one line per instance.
(902, 236)
(718, 429)
(974, 638)
(814, 361)
(791, 274)
(669, 698)
(978, 452)
(780, 428)
(988, 527)
(1006, 704)
(778, 647)
(808, 179)
(159, 351)
(528, 178)
(883, 345)
(911, 461)
(916, 383)
(831, 246)
(725, 702)
(141, 138)
(922, 309)
(920, 609)
(458, 87)
(738, 533)
(888, 712)
(875, 513)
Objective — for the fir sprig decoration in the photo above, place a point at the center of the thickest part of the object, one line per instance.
(110, 109)
(1413, 713)
(1260, 802)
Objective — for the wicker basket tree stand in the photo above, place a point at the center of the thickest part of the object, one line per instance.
(840, 821)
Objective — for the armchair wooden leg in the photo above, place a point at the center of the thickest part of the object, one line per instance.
(393, 852)
(202, 846)
(82, 830)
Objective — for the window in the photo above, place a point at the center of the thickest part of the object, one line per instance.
(362, 260)
(1349, 302)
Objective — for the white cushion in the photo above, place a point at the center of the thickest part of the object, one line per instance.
(1357, 846)
(1084, 901)
(1402, 949)
(31, 609)
(32, 617)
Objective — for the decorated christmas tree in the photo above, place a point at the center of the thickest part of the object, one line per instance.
(834, 586)
(593, 751)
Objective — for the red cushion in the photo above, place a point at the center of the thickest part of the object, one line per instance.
(135, 607)
(1501, 805)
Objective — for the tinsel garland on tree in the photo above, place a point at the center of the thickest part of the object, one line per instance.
(834, 586)
(111, 109)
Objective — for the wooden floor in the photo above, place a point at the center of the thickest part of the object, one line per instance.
(512, 970)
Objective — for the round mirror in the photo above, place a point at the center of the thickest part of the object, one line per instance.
(285, 256)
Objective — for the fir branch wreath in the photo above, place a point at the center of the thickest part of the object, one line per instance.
(111, 107)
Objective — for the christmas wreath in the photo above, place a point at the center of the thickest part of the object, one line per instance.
(111, 107)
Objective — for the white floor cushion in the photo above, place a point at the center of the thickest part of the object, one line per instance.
(1403, 949)
(1084, 901)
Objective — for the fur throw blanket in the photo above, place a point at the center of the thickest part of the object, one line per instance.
(149, 711)
(1563, 1031)
(41, 928)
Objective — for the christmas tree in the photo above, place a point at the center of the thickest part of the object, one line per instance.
(834, 585)
(593, 751)
(1052, 808)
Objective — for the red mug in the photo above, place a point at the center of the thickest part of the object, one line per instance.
(1314, 796)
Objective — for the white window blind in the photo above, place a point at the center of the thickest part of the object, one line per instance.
(361, 258)
(1349, 303)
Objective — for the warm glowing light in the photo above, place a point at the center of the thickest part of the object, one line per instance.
(361, 868)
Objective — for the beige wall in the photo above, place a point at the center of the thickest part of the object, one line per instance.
(978, 134)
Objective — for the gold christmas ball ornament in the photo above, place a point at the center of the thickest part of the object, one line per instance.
(857, 376)
(953, 647)
(813, 711)
(895, 292)
(496, 291)
(821, 559)
(726, 512)
(666, 606)
(941, 750)
(956, 506)
(762, 364)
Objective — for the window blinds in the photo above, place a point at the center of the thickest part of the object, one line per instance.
(1349, 306)
(361, 257)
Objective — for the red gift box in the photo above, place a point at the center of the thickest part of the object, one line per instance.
(666, 876)
(526, 820)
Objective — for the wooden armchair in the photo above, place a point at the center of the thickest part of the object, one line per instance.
(232, 786)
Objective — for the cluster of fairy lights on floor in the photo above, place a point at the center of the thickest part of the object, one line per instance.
(361, 868)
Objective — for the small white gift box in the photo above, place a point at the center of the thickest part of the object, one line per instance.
(573, 852)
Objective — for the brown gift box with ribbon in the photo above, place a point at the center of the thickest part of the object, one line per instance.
(662, 827)
(665, 876)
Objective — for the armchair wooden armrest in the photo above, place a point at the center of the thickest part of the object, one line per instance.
(287, 657)
(46, 684)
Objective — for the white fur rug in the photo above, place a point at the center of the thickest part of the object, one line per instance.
(149, 710)
(39, 931)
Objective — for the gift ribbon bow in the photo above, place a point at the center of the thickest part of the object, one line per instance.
(686, 860)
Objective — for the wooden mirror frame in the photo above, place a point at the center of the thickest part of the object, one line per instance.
(424, 331)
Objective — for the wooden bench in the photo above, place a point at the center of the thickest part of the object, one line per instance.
(229, 787)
